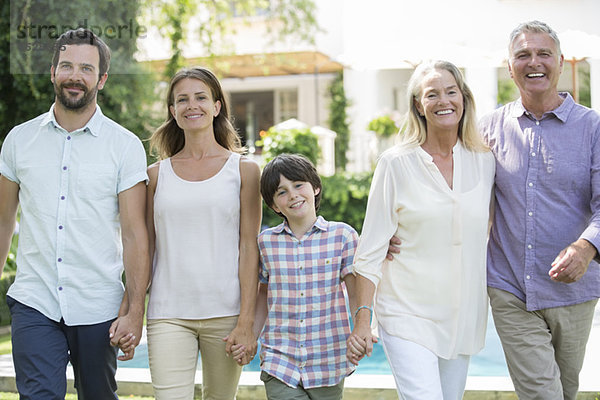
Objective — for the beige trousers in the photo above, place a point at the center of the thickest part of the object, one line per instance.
(544, 349)
(173, 346)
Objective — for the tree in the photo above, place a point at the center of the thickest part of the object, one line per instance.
(338, 120)
(286, 19)
(27, 34)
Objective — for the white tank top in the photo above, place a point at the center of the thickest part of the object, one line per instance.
(196, 258)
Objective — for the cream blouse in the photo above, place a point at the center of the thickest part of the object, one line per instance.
(434, 291)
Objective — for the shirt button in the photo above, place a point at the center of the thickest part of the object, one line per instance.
(530, 184)
(528, 277)
(62, 197)
(60, 227)
(533, 154)
(60, 260)
(68, 137)
(537, 122)
(301, 321)
(60, 288)
(529, 246)
(65, 168)
(530, 213)
(301, 294)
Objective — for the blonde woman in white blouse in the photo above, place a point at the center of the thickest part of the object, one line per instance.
(433, 191)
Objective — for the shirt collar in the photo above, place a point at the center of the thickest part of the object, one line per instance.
(320, 224)
(561, 112)
(93, 125)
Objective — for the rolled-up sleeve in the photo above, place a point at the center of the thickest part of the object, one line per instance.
(7, 162)
(381, 222)
(133, 166)
(592, 232)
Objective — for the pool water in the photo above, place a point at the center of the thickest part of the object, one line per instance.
(488, 362)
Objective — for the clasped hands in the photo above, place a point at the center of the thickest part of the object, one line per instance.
(241, 344)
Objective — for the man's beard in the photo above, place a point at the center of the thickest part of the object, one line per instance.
(72, 103)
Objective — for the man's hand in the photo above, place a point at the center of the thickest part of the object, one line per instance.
(241, 344)
(394, 248)
(572, 262)
(126, 332)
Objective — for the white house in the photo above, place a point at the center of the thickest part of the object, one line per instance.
(377, 44)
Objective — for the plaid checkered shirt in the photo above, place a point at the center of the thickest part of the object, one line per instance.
(304, 338)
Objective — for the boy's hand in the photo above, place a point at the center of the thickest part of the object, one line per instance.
(243, 338)
(240, 355)
(393, 248)
(360, 343)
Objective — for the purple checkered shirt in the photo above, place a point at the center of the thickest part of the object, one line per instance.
(547, 196)
(304, 338)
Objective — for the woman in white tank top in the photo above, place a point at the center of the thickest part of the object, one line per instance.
(203, 216)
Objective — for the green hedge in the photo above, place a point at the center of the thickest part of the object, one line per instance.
(8, 277)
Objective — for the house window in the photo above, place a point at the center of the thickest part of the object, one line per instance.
(252, 112)
(287, 104)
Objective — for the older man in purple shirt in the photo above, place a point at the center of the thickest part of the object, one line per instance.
(542, 281)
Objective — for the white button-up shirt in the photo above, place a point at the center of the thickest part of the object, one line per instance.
(434, 292)
(69, 259)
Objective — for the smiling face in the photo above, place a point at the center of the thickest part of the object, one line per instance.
(75, 77)
(296, 201)
(193, 106)
(440, 101)
(535, 64)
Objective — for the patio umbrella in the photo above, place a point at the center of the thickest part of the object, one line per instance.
(578, 46)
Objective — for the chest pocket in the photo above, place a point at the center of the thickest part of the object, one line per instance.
(326, 274)
(96, 181)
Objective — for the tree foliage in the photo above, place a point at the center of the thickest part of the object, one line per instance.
(292, 20)
(292, 141)
(33, 25)
(338, 120)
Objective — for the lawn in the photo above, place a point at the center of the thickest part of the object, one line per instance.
(5, 344)
(15, 396)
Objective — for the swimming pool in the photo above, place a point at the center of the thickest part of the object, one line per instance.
(489, 361)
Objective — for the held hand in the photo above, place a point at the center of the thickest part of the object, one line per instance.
(572, 262)
(239, 354)
(127, 346)
(126, 332)
(244, 339)
(360, 343)
(394, 248)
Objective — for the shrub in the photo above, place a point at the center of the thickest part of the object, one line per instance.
(293, 141)
(8, 277)
(383, 126)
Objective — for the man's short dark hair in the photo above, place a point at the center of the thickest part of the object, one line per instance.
(82, 36)
(294, 167)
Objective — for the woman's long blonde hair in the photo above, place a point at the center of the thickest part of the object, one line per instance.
(415, 126)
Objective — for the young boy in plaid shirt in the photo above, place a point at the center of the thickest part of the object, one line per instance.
(303, 262)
